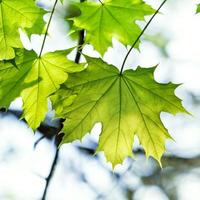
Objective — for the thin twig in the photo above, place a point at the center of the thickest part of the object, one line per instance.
(51, 173)
(38, 141)
(48, 179)
(141, 34)
(59, 137)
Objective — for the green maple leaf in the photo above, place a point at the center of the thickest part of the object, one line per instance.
(15, 14)
(127, 105)
(35, 79)
(115, 18)
(12, 76)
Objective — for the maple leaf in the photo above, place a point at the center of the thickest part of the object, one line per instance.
(127, 104)
(35, 79)
(12, 76)
(15, 14)
(112, 18)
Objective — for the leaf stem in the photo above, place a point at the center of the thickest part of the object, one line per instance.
(48, 25)
(141, 34)
(101, 2)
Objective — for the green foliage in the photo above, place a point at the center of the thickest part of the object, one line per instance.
(35, 79)
(49, 71)
(15, 14)
(12, 77)
(128, 104)
(198, 8)
(110, 19)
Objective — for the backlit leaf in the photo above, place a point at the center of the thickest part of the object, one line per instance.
(35, 78)
(113, 18)
(127, 105)
(15, 14)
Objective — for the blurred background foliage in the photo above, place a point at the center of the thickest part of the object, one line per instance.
(30, 163)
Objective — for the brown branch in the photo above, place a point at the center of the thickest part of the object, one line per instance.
(80, 46)
(38, 141)
(51, 173)
(58, 137)
(80, 43)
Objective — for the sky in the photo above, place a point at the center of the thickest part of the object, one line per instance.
(22, 168)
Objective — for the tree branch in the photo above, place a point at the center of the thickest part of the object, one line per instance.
(58, 138)
(80, 43)
(51, 173)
